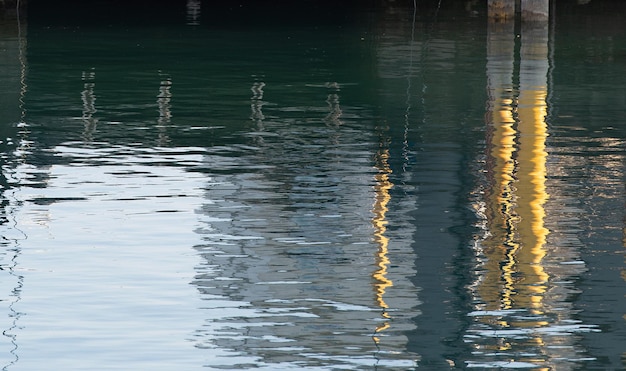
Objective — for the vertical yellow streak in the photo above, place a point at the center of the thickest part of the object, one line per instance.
(514, 246)
(503, 151)
(497, 285)
(532, 157)
(379, 222)
(531, 198)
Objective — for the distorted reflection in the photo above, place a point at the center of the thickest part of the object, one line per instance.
(22, 45)
(15, 297)
(334, 110)
(379, 221)
(296, 245)
(89, 104)
(24, 142)
(531, 171)
(13, 72)
(302, 213)
(193, 12)
(164, 99)
(500, 162)
(256, 110)
(521, 317)
(257, 103)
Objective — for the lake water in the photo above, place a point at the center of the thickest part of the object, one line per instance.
(359, 190)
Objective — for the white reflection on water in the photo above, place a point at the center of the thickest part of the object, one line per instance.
(292, 238)
(105, 258)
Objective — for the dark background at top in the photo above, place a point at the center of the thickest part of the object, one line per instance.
(235, 13)
(244, 13)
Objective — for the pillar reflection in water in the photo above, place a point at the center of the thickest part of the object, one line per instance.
(88, 97)
(382, 198)
(256, 111)
(498, 207)
(531, 169)
(334, 109)
(333, 118)
(193, 12)
(522, 317)
(164, 99)
(297, 248)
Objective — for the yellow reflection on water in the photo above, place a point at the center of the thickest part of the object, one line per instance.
(515, 206)
(532, 196)
(379, 222)
(502, 206)
(500, 244)
(513, 275)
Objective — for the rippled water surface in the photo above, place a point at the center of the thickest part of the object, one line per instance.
(371, 190)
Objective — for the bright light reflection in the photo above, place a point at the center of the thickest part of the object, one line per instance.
(379, 221)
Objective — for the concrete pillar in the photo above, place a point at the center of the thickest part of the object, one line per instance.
(535, 10)
(500, 10)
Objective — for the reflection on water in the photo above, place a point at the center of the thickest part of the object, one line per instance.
(328, 197)
(194, 8)
(523, 316)
(89, 105)
(165, 110)
(382, 187)
(288, 243)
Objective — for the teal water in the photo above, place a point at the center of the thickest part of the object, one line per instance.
(363, 191)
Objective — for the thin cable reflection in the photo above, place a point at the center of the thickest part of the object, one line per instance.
(10, 201)
(24, 143)
(16, 293)
(409, 78)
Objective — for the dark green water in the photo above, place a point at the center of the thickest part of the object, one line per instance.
(354, 190)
